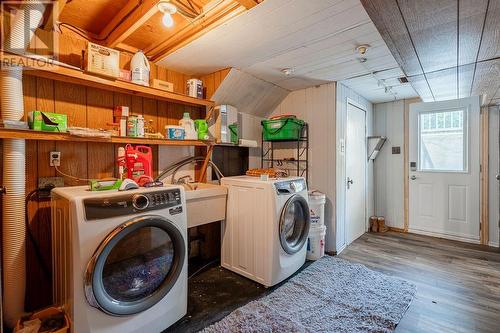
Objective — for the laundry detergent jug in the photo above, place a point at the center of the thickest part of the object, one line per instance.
(139, 161)
(188, 124)
(139, 66)
(201, 127)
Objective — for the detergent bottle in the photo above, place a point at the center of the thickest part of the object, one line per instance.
(139, 160)
(201, 127)
(139, 66)
(188, 124)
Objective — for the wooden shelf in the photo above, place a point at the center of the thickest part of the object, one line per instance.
(52, 136)
(42, 68)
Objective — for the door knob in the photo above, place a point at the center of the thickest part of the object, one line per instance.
(413, 177)
(349, 182)
(498, 176)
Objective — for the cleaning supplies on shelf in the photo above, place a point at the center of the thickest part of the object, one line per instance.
(47, 121)
(188, 124)
(195, 88)
(138, 161)
(174, 132)
(139, 66)
(201, 126)
(105, 185)
(233, 128)
(122, 163)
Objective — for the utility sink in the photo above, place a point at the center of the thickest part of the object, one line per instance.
(206, 203)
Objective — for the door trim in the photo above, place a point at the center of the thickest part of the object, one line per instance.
(362, 108)
(484, 174)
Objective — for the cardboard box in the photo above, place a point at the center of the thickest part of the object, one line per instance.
(102, 60)
(125, 75)
(163, 85)
(46, 121)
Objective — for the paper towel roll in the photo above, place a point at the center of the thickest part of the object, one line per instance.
(248, 143)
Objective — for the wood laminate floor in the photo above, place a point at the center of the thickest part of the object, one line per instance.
(458, 284)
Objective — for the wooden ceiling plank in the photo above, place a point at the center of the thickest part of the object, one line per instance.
(389, 22)
(248, 4)
(490, 44)
(57, 9)
(486, 80)
(210, 20)
(432, 26)
(130, 21)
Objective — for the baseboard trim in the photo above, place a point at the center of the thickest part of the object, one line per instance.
(444, 236)
(401, 230)
(494, 244)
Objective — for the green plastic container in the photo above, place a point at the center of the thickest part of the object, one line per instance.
(283, 129)
(234, 133)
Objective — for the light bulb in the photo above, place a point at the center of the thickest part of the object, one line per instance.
(168, 20)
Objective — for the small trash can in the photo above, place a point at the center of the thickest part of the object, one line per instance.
(317, 202)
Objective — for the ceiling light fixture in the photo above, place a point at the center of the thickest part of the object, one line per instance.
(287, 71)
(168, 9)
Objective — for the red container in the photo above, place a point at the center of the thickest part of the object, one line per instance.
(139, 161)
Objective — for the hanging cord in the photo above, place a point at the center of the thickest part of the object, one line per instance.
(70, 176)
(36, 246)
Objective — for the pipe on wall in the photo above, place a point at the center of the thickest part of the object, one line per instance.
(27, 19)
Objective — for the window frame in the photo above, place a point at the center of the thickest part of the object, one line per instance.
(466, 142)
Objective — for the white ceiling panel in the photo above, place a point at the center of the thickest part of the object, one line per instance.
(317, 38)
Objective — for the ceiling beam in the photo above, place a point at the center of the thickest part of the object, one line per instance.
(134, 14)
(57, 8)
(215, 17)
(248, 4)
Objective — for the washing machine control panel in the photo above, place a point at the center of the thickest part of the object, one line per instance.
(290, 186)
(126, 204)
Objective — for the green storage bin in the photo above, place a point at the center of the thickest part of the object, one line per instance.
(283, 129)
(234, 133)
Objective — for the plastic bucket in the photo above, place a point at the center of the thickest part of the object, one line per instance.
(317, 202)
(316, 242)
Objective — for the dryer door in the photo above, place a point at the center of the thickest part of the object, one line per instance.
(294, 224)
(135, 266)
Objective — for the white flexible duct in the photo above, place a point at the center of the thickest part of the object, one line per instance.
(14, 165)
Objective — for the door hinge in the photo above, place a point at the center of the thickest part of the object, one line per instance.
(3, 190)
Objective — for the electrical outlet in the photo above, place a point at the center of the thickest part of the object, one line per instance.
(55, 158)
(44, 181)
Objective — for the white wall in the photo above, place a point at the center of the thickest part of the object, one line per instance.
(494, 168)
(388, 167)
(343, 94)
(316, 106)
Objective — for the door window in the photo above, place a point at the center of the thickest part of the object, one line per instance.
(442, 141)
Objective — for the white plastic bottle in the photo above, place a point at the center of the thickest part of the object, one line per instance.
(188, 124)
(140, 126)
(139, 66)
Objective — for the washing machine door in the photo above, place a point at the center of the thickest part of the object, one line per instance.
(135, 266)
(294, 224)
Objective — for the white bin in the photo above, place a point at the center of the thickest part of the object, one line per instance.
(317, 208)
(316, 242)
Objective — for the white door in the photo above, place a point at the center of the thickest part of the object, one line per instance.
(355, 172)
(444, 169)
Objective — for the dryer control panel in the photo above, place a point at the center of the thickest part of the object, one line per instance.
(290, 186)
(131, 203)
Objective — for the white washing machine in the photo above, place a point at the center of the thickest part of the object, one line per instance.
(267, 224)
(120, 258)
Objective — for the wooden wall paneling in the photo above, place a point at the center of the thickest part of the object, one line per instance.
(150, 111)
(34, 299)
(100, 158)
(490, 44)
(178, 80)
(70, 99)
(70, 50)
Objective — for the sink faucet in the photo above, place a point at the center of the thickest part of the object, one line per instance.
(184, 180)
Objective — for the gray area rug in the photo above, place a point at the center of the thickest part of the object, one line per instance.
(331, 295)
